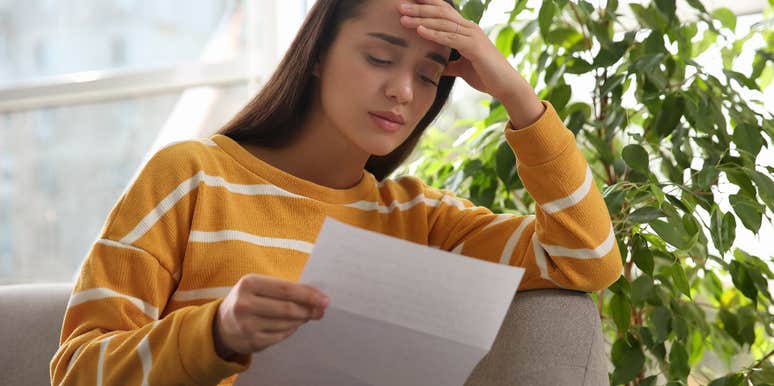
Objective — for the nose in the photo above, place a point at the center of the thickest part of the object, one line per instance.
(400, 88)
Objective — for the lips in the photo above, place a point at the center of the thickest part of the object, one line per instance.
(390, 116)
(385, 124)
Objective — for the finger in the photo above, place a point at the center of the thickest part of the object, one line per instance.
(277, 325)
(444, 25)
(281, 309)
(449, 39)
(267, 286)
(432, 11)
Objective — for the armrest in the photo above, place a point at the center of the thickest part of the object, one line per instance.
(29, 330)
(549, 337)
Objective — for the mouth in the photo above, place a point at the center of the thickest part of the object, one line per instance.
(385, 123)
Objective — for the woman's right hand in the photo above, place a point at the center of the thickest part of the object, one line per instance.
(260, 311)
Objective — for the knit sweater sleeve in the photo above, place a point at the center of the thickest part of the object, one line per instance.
(114, 329)
(568, 242)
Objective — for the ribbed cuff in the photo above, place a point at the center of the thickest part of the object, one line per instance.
(542, 141)
(197, 347)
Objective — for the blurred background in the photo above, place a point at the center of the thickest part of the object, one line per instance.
(89, 89)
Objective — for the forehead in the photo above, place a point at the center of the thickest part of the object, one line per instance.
(382, 17)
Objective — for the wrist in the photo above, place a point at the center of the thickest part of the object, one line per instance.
(221, 349)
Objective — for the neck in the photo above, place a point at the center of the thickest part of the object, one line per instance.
(320, 154)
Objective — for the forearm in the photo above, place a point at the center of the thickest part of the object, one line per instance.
(521, 103)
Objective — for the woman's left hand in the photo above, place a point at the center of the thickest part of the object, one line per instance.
(481, 64)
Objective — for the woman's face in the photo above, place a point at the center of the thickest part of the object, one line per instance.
(374, 67)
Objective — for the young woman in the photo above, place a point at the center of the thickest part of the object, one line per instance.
(197, 265)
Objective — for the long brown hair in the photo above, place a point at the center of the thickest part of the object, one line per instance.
(273, 117)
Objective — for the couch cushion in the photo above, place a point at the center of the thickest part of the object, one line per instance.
(548, 338)
(30, 328)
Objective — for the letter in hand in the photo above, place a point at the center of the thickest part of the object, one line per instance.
(260, 311)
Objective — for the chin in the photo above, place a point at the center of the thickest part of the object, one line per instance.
(380, 151)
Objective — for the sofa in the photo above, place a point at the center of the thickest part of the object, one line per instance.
(549, 337)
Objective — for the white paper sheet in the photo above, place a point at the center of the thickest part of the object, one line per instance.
(400, 314)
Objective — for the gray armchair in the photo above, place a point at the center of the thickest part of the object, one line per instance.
(549, 337)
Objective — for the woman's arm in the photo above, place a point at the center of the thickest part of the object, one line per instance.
(113, 332)
(569, 242)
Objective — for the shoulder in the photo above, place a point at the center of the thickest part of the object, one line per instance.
(175, 163)
(181, 157)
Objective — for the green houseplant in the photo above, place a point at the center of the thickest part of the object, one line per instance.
(687, 291)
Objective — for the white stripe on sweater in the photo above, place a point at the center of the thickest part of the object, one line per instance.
(572, 199)
(227, 235)
(73, 358)
(501, 217)
(583, 253)
(102, 347)
(200, 294)
(104, 293)
(186, 187)
(541, 260)
(117, 244)
(146, 356)
(510, 245)
(372, 205)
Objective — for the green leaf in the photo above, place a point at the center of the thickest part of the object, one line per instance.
(729, 380)
(726, 17)
(680, 326)
(723, 229)
(636, 157)
(765, 187)
(645, 214)
(559, 96)
(749, 211)
(696, 4)
(674, 235)
(742, 79)
(680, 279)
(763, 375)
(660, 320)
(622, 312)
(713, 284)
(611, 83)
(473, 10)
(649, 17)
(628, 359)
(505, 165)
(748, 138)
(504, 40)
(642, 256)
(608, 56)
(546, 17)
(743, 280)
(621, 286)
(668, 117)
(649, 381)
(667, 8)
(707, 176)
(641, 289)
(678, 362)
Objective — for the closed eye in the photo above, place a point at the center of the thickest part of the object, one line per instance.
(380, 62)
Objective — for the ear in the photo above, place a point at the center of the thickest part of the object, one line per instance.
(316, 68)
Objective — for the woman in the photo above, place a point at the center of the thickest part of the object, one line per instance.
(196, 267)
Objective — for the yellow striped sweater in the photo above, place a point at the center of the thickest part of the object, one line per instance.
(203, 213)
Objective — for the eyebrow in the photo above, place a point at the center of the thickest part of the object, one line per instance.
(400, 42)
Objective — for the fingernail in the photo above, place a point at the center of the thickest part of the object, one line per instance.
(405, 7)
(324, 300)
